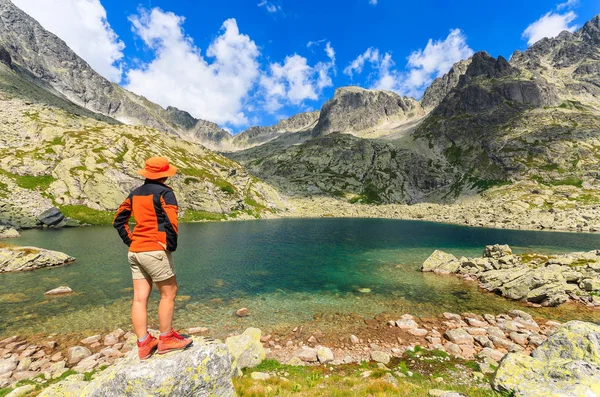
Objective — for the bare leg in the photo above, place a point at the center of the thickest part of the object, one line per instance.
(168, 292)
(139, 308)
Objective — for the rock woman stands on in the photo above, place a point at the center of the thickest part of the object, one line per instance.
(151, 247)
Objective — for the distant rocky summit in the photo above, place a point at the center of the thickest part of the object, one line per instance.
(366, 113)
(442, 86)
(19, 259)
(255, 136)
(539, 279)
(566, 364)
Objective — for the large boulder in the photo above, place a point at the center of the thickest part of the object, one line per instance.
(51, 217)
(204, 369)
(441, 262)
(567, 364)
(247, 350)
(496, 251)
(16, 259)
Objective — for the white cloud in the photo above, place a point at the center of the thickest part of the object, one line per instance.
(270, 7)
(83, 26)
(179, 75)
(295, 81)
(314, 43)
(568, 4)
(550, 25)
(422, 68)
(373, 2)
(356, 66)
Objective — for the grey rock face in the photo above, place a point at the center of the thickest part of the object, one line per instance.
(443, 85)
(46, 58)
(489, 83)
(204, 131)
(567, 364)
(202, 370)
(51, 217)
(359, 111)
(5, 57)
(259, 135)
(576, 340)
(340, 164)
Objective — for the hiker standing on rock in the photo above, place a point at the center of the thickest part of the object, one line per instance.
(151, 247)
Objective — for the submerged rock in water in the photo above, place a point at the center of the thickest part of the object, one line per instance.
(62, 290)
(204, 369)
(17, 259)
(567, 364)
(538, 279)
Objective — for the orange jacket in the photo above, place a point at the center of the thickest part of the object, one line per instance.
(154, 207)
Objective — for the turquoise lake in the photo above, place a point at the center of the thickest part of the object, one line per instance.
(286, 272)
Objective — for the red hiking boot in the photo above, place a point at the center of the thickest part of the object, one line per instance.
(172, 341)
(147, 347)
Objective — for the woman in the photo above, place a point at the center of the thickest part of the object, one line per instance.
(151, 247)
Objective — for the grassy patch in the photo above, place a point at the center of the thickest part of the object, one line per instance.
(572, 105)
(33, 182)
(229, 189)
(570, 181)
(347, 380)
(190, 179)
(534, 258)
(88, 215)
(197, 216)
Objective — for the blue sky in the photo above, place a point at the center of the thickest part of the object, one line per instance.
(251, 62)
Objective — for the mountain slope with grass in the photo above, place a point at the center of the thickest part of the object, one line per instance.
(49, 64)
(54, 153)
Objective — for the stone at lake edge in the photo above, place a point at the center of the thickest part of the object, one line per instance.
(204, 369)
(247, 350)
(8, 233)
(51, 217)
(572, 353)
(17, 259)
(77, 353)
(538, 279)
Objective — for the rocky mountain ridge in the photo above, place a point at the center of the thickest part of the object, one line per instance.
(51, 64)
(487, 122)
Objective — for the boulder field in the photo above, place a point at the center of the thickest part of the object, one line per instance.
(537, 279)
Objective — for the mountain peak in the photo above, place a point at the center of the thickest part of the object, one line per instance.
(483, 64)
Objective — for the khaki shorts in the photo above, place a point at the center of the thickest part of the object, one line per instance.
(151, 265)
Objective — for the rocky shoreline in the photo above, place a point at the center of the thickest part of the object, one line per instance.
(20, 259)
(489, 340)
(532, 278)
(524, 205)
